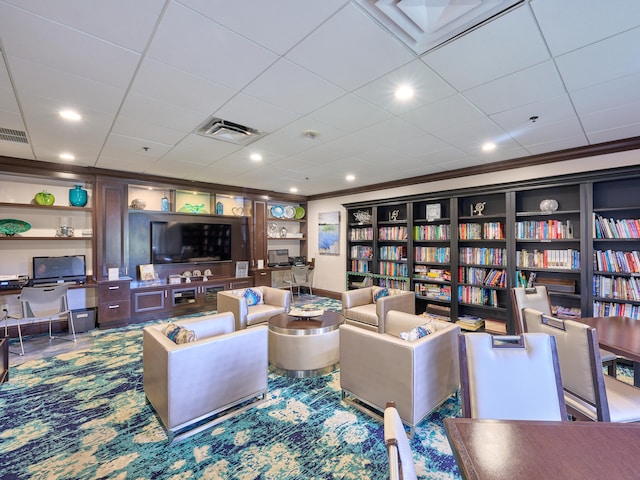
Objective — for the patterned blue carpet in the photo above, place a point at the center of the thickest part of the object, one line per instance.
(83, 415)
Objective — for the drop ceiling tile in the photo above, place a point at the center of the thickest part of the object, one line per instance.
(556, 144)
(587, 25)
(611, 118)
(255, 113)
(521, 88)
(133, 148)
(391, 132)
(149, 110)
(602, 61)
(443, 114)
(602, 96)
(625, 131)
(349, 114)
(65, 49)
(295, 132)
(470, 136)
(147, 131)
(12, 120)
(278, 29)
(548, 111)
(428, 88)
(505, 45)
(200, 150)
(349, 50)
(158, 81)
(17, 150)
(207, 49)
(130, 163)
(545, 131)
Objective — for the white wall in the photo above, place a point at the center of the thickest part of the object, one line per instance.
(331, 269)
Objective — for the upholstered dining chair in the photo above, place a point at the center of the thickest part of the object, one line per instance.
(43, 303)
(537, 298)
(588, 393)
(401, 466)
(511, 377)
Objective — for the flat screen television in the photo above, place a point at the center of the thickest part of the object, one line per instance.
(68, 268)
(184, 242)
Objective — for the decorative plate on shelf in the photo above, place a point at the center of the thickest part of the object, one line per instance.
(289, 211)
(549, 205)
(9, 226)
(300, 213)
(277, 211)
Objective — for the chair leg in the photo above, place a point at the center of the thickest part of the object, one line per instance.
(71, 327)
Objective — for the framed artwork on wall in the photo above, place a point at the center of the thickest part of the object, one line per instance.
(329, 233)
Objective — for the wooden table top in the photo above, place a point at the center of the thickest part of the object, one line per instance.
(289, 325)
(531, 450)
(620, 335)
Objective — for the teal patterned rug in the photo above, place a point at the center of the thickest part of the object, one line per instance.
(83, 415)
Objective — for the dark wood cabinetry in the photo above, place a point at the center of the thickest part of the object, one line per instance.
(112, 233)
(114, 305)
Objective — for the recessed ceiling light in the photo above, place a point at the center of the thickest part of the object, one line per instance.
(67, 156)
(256, 157)
(293, 190)
(71, 115)
(404, 92)
(350, 178)
(489, 146)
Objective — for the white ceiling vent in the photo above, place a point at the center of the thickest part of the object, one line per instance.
(11, 135)
(229, 132)
(426, 24)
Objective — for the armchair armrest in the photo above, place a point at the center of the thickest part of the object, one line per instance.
(402, 302)
(355, 298)
(228, 302)
(277, 297)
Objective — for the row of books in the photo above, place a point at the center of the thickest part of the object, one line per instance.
(394, 269)
(432, 254)
(481, 231)
(356, 234)
(608, 309)
(394, 252)
(360, 266)
(566, 259)
(433, 291)
(424, 272)
(611, 228)
(361, 251)
(616, 261)
(478, 295)
(470, 322)
(484, 256)
(390, 283)
(432, 232)
(483, 276)
(544, 229)
(392, 233)
(620, 288)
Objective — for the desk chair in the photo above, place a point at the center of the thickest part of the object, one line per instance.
(589, 393)
(301, 276)
(507, 377)
(537, 298)
(401, 466)
(43, 303)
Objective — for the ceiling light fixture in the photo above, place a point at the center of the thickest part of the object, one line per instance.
(404, 92)
(489, 146)
(293, 190)
(70, 115)
(67, 156)
(256, 157)
(350, 178)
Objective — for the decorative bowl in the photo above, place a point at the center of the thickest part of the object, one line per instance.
(138, 204)
(9, 227)
(548, 205)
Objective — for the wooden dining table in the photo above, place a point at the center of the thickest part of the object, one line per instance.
(619, 335)
(534, 450)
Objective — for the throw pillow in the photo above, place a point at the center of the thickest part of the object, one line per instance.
(379, 292)
(179, 334)
(416, 333)
(254, 297)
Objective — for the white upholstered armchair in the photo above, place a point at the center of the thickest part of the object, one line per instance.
(273, 302)
(417, 375)
(360, 307)
(205, 379)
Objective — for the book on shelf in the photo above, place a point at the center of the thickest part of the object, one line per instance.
(470, 322)
(147, 272)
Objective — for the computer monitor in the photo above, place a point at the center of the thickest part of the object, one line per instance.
(278, 258)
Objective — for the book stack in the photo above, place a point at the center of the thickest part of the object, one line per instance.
(470, 322)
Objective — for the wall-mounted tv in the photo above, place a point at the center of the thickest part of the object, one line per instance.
(69, 268)
(184, 242)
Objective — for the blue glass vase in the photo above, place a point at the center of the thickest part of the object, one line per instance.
(78, 196)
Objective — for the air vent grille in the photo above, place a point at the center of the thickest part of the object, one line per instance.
(229, 131)
(11, 135)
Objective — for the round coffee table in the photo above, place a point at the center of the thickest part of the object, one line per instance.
(304, 347)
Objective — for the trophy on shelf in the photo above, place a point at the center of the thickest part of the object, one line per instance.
(478, 208)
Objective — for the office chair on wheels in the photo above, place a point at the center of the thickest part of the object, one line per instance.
(43, 303)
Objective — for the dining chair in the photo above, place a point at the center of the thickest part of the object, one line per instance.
(301, 276)
(589, 393)
(511, 377)
(43, 303)
(401, 465)
(537, 298)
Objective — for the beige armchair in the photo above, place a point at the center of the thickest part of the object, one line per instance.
(274, 302)
(206, 379)
(359, 308)
(417, 375)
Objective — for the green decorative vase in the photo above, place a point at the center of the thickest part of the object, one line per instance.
(78, 196)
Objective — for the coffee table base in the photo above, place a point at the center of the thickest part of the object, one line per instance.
(304, 373)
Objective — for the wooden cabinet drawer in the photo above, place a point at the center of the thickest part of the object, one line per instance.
(113, 292)
(113, 312)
